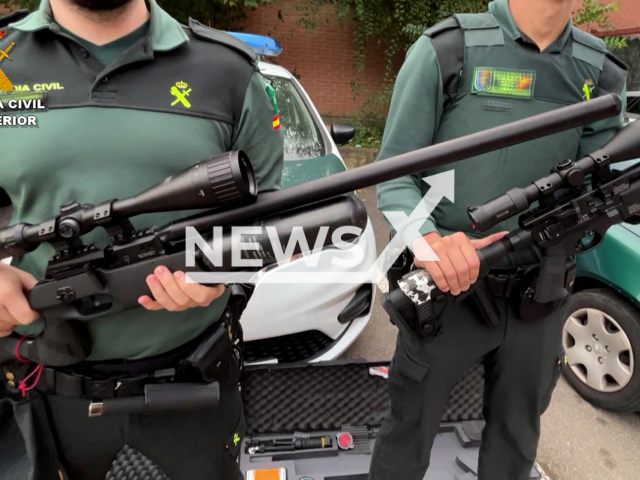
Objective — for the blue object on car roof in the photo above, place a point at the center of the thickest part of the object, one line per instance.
(261, 44)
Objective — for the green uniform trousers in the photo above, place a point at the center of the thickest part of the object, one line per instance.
(198, 445)
(522, 362)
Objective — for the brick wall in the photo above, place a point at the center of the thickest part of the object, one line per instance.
(323, 58)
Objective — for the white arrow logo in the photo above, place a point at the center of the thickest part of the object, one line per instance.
(408, 228)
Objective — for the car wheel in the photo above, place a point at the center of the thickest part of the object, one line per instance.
(601, 338)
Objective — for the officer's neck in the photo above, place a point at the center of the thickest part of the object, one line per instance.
(542, 20)
(100, 27)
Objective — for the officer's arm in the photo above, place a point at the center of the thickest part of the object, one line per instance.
(612, 80)
(257, 137)
(416, 108)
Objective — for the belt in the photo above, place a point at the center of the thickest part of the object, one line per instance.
(122, 378)
(73, 385)
(206, 359)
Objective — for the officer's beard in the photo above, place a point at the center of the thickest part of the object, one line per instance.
(104, 6)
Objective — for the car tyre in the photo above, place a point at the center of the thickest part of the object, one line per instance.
(627, 317)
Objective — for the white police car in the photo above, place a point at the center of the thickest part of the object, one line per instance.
(305, 322)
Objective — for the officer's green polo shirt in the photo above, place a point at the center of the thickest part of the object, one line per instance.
(418, 117)
(113, 131)
(109, 52)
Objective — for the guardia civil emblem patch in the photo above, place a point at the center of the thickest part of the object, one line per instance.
(587, 89)
(504, 83)
(181, 91)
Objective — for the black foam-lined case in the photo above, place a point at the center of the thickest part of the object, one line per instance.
(310, 398)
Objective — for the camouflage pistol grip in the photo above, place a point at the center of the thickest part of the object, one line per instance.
(414, 307)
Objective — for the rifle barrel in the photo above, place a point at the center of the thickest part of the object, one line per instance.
(406, 164)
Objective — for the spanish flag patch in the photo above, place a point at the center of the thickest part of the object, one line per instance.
(271, 92)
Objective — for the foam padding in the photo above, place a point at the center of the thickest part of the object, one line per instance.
(465, 401)
(314, 398)
(130, 464)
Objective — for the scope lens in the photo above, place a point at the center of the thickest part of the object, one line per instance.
(248, 175)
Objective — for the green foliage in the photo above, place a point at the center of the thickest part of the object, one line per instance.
(217, 13)
(368, 136)
(594, 15)
(30, 5)
(392, 24)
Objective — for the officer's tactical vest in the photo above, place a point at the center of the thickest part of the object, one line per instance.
(501, 82)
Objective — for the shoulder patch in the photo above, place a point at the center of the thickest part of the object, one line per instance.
(588, 40)
(476, 21)
(480, 30)
(443, 26)
(13, 17)
(212, 35)
(588, 48)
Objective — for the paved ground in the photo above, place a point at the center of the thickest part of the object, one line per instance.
(579, 441)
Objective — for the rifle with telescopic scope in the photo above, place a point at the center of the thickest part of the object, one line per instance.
(84, 282)
(577, 203)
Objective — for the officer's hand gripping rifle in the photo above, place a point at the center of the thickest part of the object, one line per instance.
(572, 218)
(85, 283)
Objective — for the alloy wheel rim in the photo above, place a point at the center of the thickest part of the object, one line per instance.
(598, 350)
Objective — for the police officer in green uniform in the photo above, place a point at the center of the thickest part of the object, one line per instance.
(133, 97)
(464, 75)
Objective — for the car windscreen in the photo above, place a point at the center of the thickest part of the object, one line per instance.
(302, 139)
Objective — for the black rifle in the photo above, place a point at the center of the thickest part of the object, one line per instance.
(83, 282)
(572, 217)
